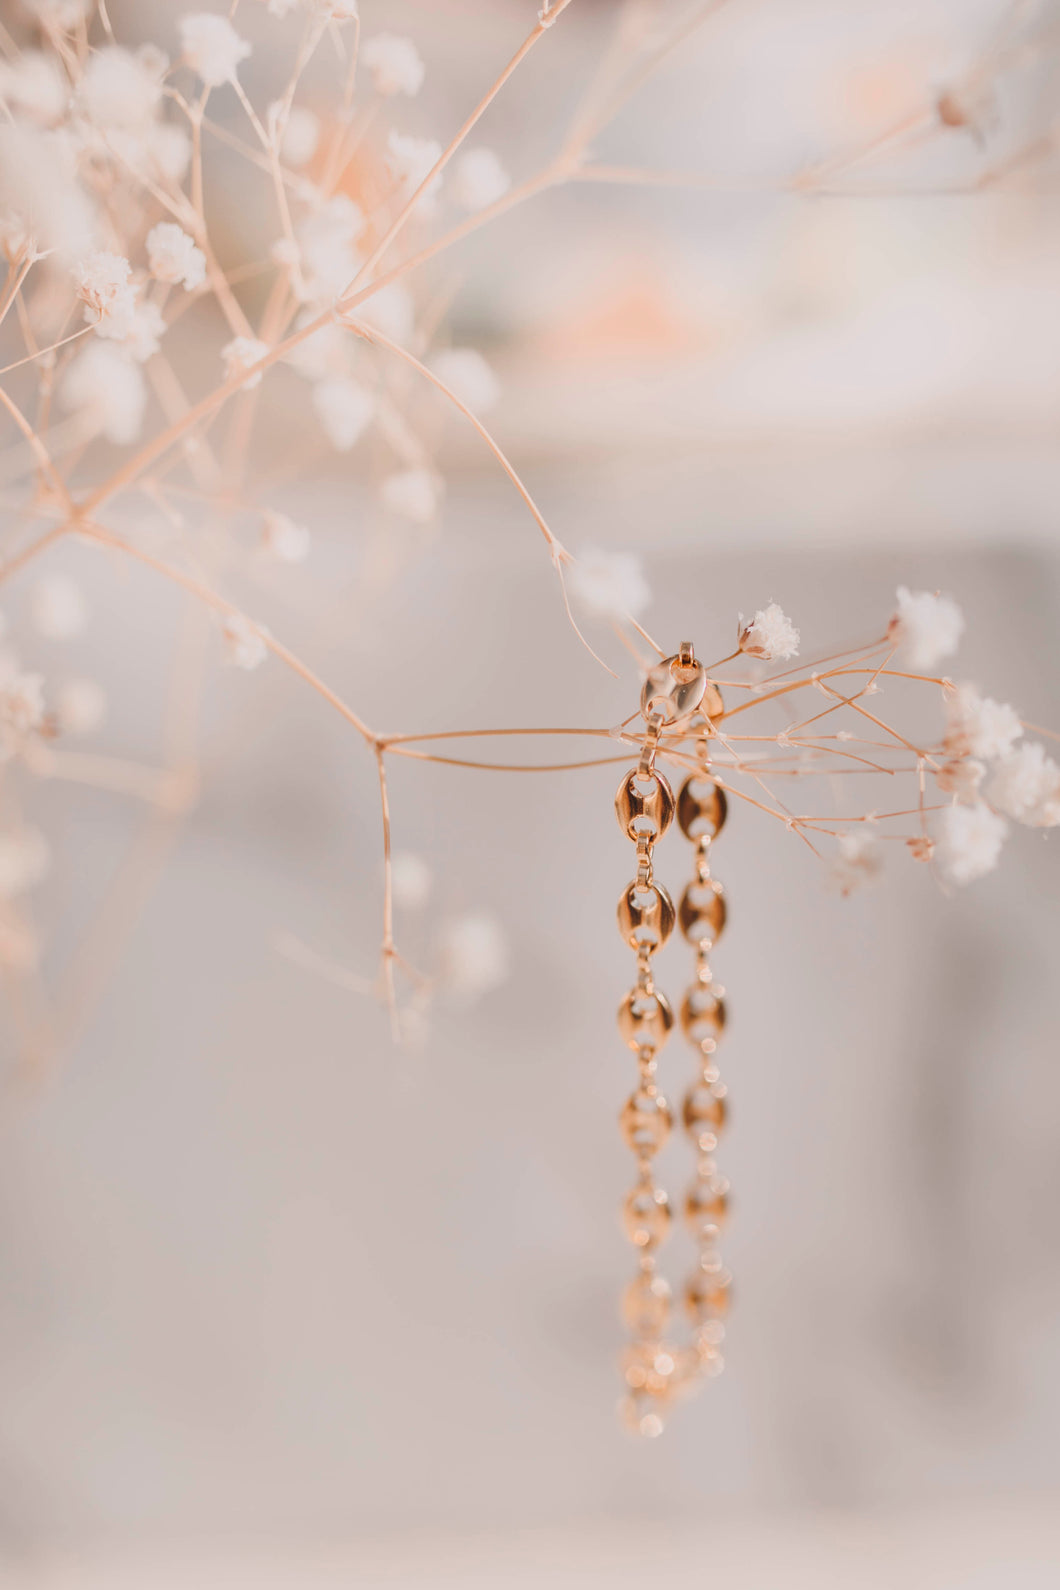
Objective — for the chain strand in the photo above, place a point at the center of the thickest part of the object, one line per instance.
(701, 813)
(655, 1370)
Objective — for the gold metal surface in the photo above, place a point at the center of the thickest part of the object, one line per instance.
(646, 915)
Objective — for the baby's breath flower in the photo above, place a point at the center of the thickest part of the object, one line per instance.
(58, 607)
(325, 353)
(970, 841)
(978, 726)
(609, 584)
(166, 148)
(104, 286)
(479, 179)
(344, 408)
(412, 494)
(81, 706)
(1026, 786)
(475, 956)
(409, 158)
(926, 625)
(465, 372)
(300, 136)
(961, 777)
(770, 635)
(242, 353)
(394, 63)
(281, 8)
(284, 252)
(108, 390)
(139, 330)
(33, 84)
(410, 880)
(859, 861)
(338, 10)
(120, 89)
(211, 46)
(283, 539)
(390, 310)
(174, 256)
(244, 642)
(326, 241)
(113, 308)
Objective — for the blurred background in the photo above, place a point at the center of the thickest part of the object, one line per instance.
(283, 1304)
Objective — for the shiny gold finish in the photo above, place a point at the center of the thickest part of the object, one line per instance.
(708, 1297)
(641, 810)
(702, 1016)
(707, 1204)
(675, 688)
(703, 1110)
(649, 1368)
(701, 805)
(646, 915)
(678, 703)
(645, 1018)
(701, 814)
(702, 912)
(712, 706)
(646, 1121)
(646, 1305)
(646, 1216)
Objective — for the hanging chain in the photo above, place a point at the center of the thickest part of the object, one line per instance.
(701, 812)
(655, 1370)
(645, 808)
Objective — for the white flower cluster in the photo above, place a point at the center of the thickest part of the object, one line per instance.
(242, 354)
(244, 642)
(284, 540)
(103, 384)
(173, 257)
(992, 774)
(410, 160)
(770, 635)
(119, 123)
(475, 956)
(610, 585)
(926, 627)
(413, 494)
(59, 613)
(859, 860)
(394, 63)
(468, 376)
(114, 308)
(212, 48)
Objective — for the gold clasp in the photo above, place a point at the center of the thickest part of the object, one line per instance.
(674, 688)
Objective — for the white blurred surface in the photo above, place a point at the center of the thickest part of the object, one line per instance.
(997, 1547)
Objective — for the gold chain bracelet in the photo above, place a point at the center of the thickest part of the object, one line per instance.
(678, 698)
